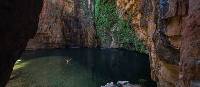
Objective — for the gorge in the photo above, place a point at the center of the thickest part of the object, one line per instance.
(169, 30)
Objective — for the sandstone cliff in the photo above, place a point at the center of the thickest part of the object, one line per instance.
(63, 24)
(170, 29)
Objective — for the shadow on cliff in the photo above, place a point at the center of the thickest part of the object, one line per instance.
(18, 25)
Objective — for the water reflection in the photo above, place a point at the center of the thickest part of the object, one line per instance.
(112, 64)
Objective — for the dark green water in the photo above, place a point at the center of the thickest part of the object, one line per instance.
(110, 64)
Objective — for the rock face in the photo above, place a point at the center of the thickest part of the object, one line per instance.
(121, 84)
(170, 29)
(49, 33)
(63, 24)
(18, 25)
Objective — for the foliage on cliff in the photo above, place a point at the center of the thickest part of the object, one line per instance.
(114, 32)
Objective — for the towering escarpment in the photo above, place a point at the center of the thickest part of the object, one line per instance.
(49, 33)
(18, 25)
(63, 24)
(170, 30)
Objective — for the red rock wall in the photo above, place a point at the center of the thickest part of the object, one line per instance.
(170, 29)
(190, 45)
(49, 34)
(62, 25)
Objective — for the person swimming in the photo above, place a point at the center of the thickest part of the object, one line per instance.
(67, 59)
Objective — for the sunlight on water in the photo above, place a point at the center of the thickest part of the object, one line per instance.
(19, 64)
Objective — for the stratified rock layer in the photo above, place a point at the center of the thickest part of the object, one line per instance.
(170, 29)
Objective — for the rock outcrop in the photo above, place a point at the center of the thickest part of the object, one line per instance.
(170, 29)
(63, 24)
(121, 84)
(19, 20)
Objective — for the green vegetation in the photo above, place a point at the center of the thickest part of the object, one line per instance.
(52, 72)
(105, 18)
(112, 28)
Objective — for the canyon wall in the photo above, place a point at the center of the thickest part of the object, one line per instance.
(63, 23)
(19, 20)
(170, 29)
(49, 33)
